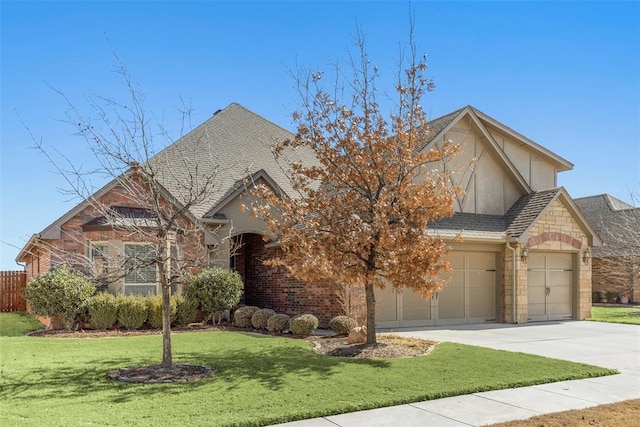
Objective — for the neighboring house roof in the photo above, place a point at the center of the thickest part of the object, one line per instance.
(514, 224)
(617, 222)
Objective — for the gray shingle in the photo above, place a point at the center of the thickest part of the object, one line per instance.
(516, 221)
(522, 214)
(616, 222)
(231, 145)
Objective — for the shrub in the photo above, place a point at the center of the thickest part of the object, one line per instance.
(341, 325)
(304, 324)
(216, 290)
(132, 311)
(278, 323)
(595, 297)
(62, 292)
(260, 318)
(242, 316)
(154, 310)
(186, 309)
(103, 310)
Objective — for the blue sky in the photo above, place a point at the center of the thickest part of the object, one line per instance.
(564, 74)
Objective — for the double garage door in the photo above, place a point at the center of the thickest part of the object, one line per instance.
(549, 286)
(469, 297)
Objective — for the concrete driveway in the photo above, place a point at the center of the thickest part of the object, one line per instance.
(603, 344)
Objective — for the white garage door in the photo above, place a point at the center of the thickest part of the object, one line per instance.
(470, 296)
(550, 286)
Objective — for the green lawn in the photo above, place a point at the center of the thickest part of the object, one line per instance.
(615, 315)
(260, 379)
(18, 324)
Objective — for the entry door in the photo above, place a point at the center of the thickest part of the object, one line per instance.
(550, 286)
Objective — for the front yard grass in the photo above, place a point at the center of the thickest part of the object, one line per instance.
(18, 324)
(616, 314)
(260, 379)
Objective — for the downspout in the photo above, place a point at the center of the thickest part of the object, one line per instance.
(514, 271)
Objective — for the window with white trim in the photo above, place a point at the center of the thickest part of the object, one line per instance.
(142, 274)
(99, 255)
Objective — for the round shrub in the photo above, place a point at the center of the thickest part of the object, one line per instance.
(186, 309)
(103, 310)
(216, 290)
(154, 310)
(242, 316)
(278, 323)
(62, 292)
(304, 324)
(132, 311)
(341, 325)
(260, 318)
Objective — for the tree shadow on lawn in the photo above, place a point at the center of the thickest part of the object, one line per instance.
(269, 366)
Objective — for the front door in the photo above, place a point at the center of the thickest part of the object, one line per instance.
(549, 286)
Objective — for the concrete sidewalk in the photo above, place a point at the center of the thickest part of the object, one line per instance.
(603, 344)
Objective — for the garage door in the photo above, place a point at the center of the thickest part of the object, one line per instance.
(550, 286)
(470, 296)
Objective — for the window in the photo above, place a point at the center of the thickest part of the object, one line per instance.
(140, 265)
(99, 256)
(100, 259)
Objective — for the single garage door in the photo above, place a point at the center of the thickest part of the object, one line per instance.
(550, 286)
(470, 296)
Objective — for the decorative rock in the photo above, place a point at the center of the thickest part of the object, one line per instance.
(358, 335)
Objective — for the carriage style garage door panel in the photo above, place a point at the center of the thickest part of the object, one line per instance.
(470, 296)
(550, 286)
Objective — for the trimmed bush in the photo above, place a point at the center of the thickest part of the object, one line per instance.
(341, 325)
(304, 324)
(103, 310)
(62, 292)
(260, 318)
(186, 309)
(278, 323)
(216, 290)
(154, 310)
(242, 316)
(132, 311)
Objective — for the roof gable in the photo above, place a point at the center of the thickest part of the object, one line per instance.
(231, 145)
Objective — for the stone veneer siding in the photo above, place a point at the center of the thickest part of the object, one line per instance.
(554, 231)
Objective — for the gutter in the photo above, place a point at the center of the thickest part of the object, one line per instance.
(513, 280)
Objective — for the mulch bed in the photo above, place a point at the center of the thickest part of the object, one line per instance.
(156, 374)
(389, 346)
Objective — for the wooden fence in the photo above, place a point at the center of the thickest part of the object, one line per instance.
(12, 284)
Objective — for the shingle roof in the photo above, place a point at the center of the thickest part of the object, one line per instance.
(231, 145)
(525, 211)
(616, 222)
(437, 125)
(511, 225)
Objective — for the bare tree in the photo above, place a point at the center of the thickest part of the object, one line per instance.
(360, 216)
(160, 189)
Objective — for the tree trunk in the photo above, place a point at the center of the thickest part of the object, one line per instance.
(167, 359)
(371, 313)
(164, 267)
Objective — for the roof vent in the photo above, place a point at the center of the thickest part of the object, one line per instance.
(217, 111)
